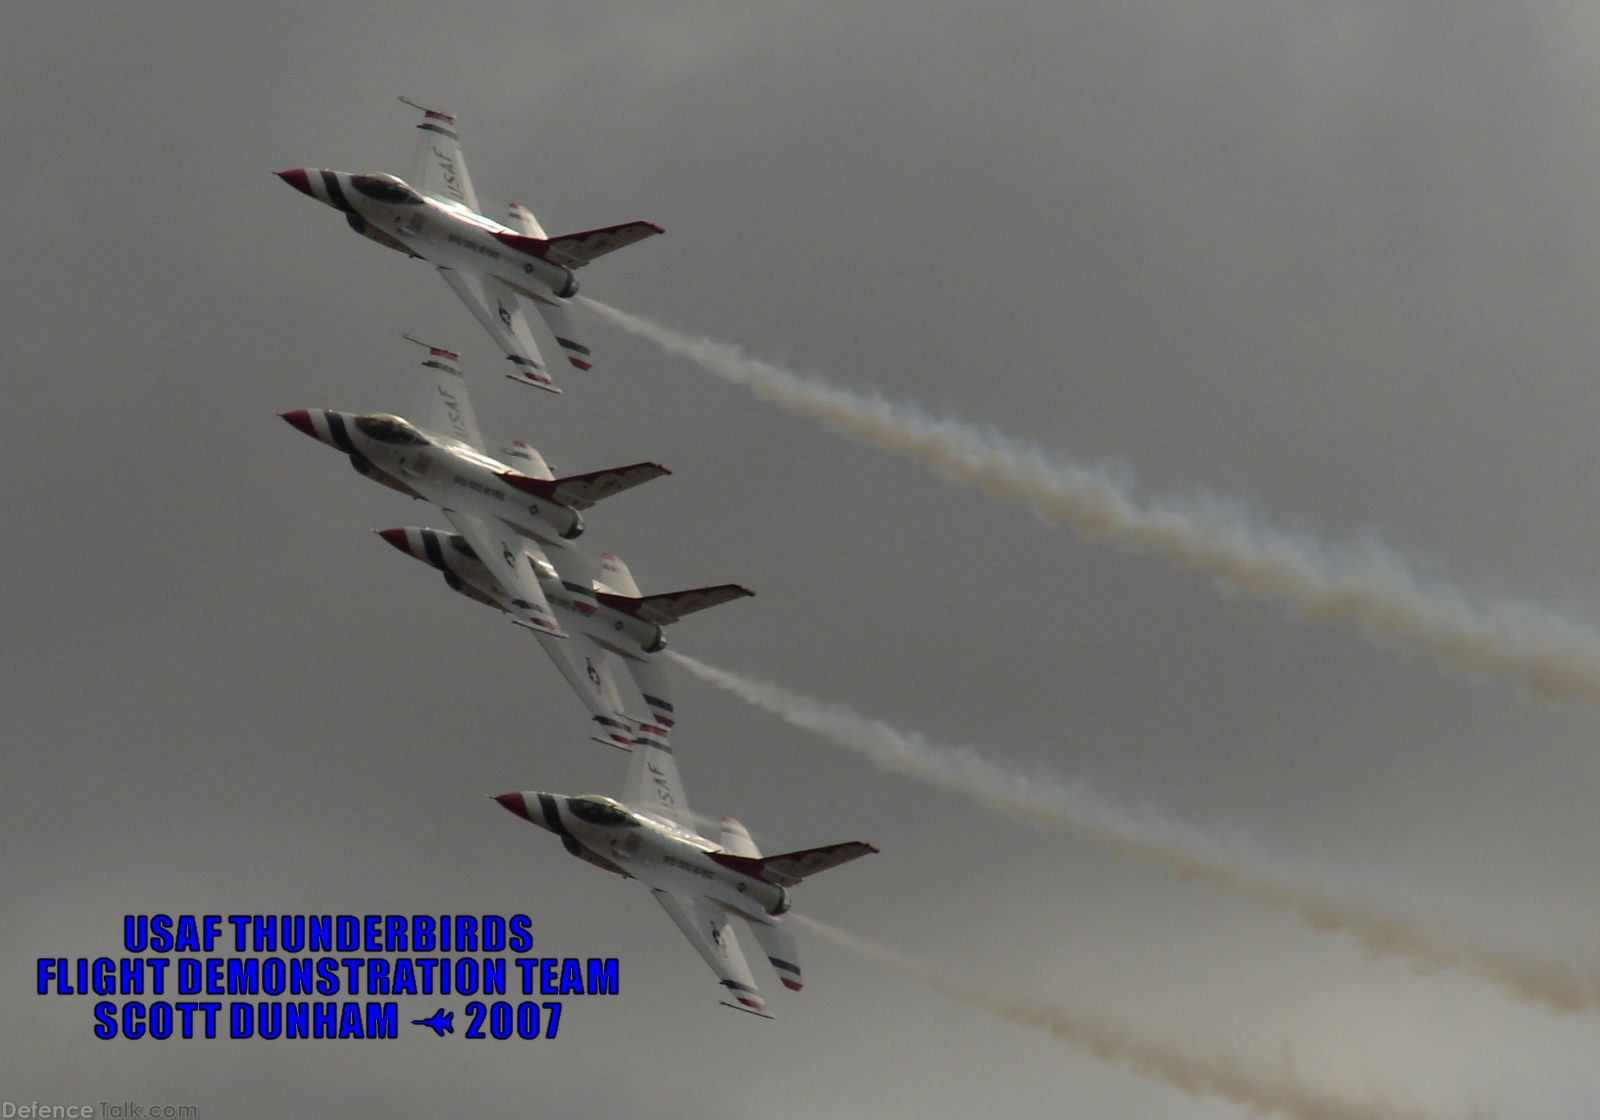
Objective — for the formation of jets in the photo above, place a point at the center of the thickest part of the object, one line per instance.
(513, 546)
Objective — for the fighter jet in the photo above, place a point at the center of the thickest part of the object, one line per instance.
(436, 217)
(613, 617)
(492, 504)
(701, 884)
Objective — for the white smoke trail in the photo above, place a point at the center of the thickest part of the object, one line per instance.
(1046, 802)
(1190, 1072)
(1365, 583)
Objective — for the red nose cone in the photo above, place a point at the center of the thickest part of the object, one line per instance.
(516, 803)
(397, 537)
(301, 419)
(296, 178)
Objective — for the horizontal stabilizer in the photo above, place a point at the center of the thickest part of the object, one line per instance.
(782, 952)
(577, 249)
(764, 1014)
(574, 250)
(566, 331)
(580, 491)
(791, 867)
(655, 685)
(669, 606)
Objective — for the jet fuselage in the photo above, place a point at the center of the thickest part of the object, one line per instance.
(617, 631)
(648, 848)
(446, 233)
(451, 475)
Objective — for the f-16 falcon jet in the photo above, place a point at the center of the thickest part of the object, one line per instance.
(612, 617)
(491, 266)
(493, 505)
(702, 884)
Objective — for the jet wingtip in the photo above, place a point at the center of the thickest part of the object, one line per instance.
(547, 385)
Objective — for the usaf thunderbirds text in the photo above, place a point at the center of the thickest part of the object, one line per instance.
(319, 958)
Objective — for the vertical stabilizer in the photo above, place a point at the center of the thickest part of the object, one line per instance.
(527, 459)
(652, 784)
(523, 221)
(616, 578)
(736, 839)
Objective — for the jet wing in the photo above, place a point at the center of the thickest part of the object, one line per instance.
(498, 547)
(588, 671)
(439, 169)
(446, 404)
(707, 928)
(496, 308)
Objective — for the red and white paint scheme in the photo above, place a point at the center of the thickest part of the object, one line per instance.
(492, 504)
(489, 265)
(600, 618)
(702, 884)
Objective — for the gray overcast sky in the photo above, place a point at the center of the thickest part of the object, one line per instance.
(1334, 258)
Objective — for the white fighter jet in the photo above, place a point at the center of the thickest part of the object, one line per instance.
(492, 504)
(608, 615)
(489, 265)
(701, 884)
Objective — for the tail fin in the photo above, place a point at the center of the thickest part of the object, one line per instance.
(616, 578)
(783, 953)
(736, 839)
(523, 221)
(790, 868)
(527, 459)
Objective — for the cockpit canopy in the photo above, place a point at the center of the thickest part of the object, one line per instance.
(389, 429)
(601, 811)
(385, 188)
